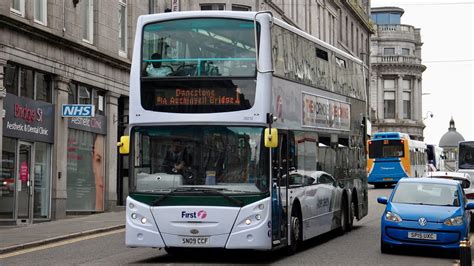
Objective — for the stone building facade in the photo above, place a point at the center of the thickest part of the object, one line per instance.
(344, 24)
(79, 52)
(54, 53)
(396, 74)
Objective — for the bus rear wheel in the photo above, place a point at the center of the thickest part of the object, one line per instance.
(344, 221)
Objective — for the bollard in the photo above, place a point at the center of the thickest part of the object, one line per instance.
(465, 253)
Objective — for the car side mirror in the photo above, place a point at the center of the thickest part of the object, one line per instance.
(340, 184)
(469, 206)
(382, 200)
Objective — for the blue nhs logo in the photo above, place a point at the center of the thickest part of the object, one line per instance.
(78, 110)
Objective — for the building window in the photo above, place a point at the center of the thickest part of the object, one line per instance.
(28, 83)
(88, 26)
(83, 94)
(405, 51)
(122, 28)
(18, 7)
(213, 7)
(241, 8)
(389, 51)
(347, 32)
(406, 105)
(41, 11)
(405, 86)
(389, 104)
(389, 98)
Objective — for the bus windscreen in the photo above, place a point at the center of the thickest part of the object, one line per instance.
(466, 155)
(202, 47)
(386, 149)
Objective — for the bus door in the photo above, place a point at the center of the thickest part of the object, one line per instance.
(280, 190)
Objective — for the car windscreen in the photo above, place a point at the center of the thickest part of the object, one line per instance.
(426, 194)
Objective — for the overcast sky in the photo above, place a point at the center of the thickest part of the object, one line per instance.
(448, 53)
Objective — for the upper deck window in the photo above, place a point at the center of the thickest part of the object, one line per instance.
(199, 47)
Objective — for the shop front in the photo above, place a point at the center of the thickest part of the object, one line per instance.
(25, 180)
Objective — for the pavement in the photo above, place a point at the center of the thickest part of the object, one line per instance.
(33, 235)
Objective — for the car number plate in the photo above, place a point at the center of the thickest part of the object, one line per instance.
(195, 240)
(416, 235)
(388, 179)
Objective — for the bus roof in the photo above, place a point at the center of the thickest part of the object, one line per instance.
(390, 135)
(144, 19)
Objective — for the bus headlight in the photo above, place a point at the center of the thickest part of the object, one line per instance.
(258, 217)
(143, 220)
(134, 216)
(131, 205)
(248, 221)
(454, 221)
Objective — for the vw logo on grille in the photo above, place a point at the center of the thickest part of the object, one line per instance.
(422, 221)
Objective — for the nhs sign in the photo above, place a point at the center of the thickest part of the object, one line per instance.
(78, 110)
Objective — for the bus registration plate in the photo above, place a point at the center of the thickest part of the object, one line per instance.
(195, 241)
(416, 235)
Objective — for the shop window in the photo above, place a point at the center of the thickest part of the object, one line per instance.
(7, 178)
(11, 79)
(99, 101)
(43, 85)
(83, 94)
(25, 82)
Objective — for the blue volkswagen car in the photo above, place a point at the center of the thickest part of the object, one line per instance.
(430, 212)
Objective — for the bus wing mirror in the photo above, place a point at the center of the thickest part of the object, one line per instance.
(271, 137)
(124, 145)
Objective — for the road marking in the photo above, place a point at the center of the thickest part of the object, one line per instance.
(60, 243)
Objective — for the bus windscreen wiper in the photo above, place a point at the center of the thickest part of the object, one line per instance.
(204, 190)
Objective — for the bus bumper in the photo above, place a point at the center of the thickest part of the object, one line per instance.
(248, 227)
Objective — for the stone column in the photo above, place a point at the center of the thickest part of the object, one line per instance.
(111, 151)
(380, 97)
(3, 94)
(416, 101)
(399, 99)
(420, 96)
(61, 132)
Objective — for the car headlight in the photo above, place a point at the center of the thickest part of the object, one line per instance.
(454, 221)
(392, 217)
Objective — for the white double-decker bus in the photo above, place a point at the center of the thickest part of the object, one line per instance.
(245, 133)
